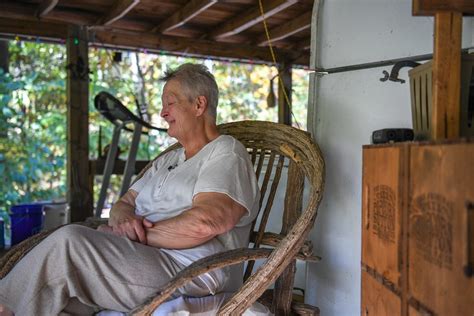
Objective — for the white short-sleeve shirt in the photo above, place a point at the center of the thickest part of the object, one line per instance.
(168, 187)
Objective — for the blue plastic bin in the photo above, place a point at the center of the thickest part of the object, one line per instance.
(26, 220)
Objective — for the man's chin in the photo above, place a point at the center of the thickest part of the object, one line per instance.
(170, 133)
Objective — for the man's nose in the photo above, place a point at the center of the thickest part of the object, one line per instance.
(163, 112)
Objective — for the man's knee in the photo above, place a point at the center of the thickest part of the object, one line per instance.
(70, 232)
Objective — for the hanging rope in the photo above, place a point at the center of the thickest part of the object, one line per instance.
(267, 33)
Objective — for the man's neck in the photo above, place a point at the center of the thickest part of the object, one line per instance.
(199, 139)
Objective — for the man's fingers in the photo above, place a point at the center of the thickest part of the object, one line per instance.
(130, 234)
(147, 223)
(141, 235)
(133, 229)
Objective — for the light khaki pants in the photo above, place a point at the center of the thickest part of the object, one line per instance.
(77, 270)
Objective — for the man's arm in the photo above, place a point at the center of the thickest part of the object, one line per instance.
(211, 214)
(124, 221)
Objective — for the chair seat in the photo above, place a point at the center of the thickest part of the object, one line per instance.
(198, 306)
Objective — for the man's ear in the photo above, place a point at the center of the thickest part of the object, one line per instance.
(201, 105)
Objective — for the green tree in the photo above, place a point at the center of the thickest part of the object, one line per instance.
(33, 105)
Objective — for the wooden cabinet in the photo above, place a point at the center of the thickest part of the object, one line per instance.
(418, 229)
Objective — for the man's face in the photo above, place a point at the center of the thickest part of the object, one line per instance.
(178, 111)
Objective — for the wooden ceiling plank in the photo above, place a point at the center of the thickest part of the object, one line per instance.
(430, 7)
(250, 17)
(17, 11)
(303, 45)
(119, 9)
(45, 7)
(186, 46)
(107, 37)
(186, 13)
(27, 12)
(287, 29)
(47, 30)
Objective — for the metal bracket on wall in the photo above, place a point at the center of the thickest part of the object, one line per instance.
(393, 76)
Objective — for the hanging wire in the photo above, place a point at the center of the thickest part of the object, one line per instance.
(267, 33)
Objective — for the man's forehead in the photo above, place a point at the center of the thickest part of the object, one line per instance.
(171, 88)
(168, 92)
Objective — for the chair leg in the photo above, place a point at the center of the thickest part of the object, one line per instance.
(283, 293)
(304, 309)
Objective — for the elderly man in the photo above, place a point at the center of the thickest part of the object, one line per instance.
(192, 202)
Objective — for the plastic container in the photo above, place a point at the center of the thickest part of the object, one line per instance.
(55, 214)
(25, 220)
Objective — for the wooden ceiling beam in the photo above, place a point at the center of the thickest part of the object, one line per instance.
(303, 45)
(27, 12)
(188, 47)
(45, 7)
(47, 30)
(250, 17)
(285, 30)
(119, 9)
(430, 7)
(186, 13)
(105, 37)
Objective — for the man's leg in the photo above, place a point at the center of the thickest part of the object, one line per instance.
(96, 268)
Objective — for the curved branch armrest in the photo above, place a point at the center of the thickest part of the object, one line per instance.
(197, 268)
(204, 265)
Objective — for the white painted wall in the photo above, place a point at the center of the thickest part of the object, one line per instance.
(348, 107)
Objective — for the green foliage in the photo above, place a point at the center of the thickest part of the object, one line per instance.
(32, 116)
(33, 110)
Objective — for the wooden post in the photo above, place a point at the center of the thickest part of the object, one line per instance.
(78, 191)
(4, 55)
(446, 75)
(284, 82)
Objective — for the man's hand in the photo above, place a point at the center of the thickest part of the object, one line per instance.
(131, 227)
(124, 222)
(129, 230)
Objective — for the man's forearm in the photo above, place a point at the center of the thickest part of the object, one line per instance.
(183, 231)
(212, 214)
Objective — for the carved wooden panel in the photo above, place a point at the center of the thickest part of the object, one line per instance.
(381, 216)
(441, 183)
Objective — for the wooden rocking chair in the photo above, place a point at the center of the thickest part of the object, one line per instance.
(272, 147)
